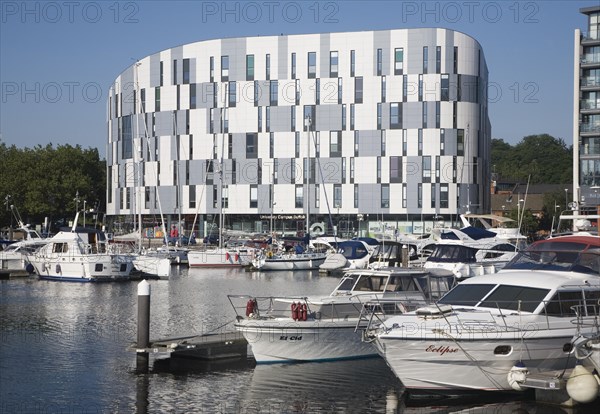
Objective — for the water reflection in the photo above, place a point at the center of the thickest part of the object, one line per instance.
(64, 348)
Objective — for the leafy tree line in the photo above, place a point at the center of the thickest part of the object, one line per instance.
(547, 160)
(44, 181)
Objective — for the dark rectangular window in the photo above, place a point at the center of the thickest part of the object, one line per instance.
(293, 118)
(232, 94)
(355, 195)
(425, 58)
(445, 88)
(267, 119)
(251, 145)
(260, 119)
(385, 196)
(312, 65)
(309, 117)
(358, 89)
(335, 143)
(212, 68)
(438, 59)
(273, 93)
(395, 115)
(256, 93)
(427, 169)
(293, 68)
(161, 74)
(249, 67)
(186, 71)
(268, 67)
(193, 96)
(337, 196)
(175, 72)
(318, 91)
(333, 64)
(395, 169)
(455, 65)
(404, 88)
(460, 142)
(444, 197)
(352, 115)
(224, 68)
(352, 62)
(398, 61)
(379, 61)
(433, 196)
(157, 99)
(383, 94)
(424, 115)
(344, 116)
(379, 115)
(339, 94)
(437, 114)
(299, 196)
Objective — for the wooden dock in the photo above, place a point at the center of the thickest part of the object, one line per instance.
(208, 347)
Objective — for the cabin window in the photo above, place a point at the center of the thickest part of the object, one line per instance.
(562, 302)
(515, 297)
(60, 248)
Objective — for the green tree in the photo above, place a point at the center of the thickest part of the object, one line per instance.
(543, 158)
(43, 181)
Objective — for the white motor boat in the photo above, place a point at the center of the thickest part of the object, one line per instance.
(13, 255)
(351, 254)
(490, 331)
(79, 255)
(292, 329)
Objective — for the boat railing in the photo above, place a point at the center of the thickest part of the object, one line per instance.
(587, 315)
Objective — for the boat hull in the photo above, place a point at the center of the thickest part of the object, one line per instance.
(81, 269)
(291, 262)
(285, 341)
(213, 258)
(446, 365)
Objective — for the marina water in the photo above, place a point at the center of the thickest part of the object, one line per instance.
(64, 349)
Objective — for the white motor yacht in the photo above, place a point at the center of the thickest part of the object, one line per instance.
(292, 329)
(490, 331)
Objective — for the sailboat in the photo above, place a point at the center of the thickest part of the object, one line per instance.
(303, 257)
(153, 263)
(220, 256)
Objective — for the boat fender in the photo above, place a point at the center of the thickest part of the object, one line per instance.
(30, 269)
(237, 257)
(582, 386)
(295, 311)
(58, 269)
(269, 254)
(249, 307)
(227, 256)
(517, 375)
(303, 312)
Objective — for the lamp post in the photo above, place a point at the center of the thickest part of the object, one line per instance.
(566, 197)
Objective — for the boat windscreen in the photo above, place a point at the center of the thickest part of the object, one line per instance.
(466, 295)
(510, 297)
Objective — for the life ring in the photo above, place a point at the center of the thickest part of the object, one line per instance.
(317, 228)
(303, 312)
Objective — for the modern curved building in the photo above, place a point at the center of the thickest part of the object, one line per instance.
(382, 128)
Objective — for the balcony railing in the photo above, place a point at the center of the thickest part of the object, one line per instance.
(589, 104)
(590, 82)
(589, 127)
(590, 36)
(589, 58)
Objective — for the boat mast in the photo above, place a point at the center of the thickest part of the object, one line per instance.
(307, 174)
(137, 161)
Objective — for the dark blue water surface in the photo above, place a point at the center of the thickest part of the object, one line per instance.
(64, 349)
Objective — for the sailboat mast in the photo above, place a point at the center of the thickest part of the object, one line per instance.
(138, 163)
(307, 174)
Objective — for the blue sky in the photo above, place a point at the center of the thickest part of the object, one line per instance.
(59, 58)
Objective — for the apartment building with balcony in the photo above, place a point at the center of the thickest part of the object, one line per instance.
(586, 113)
